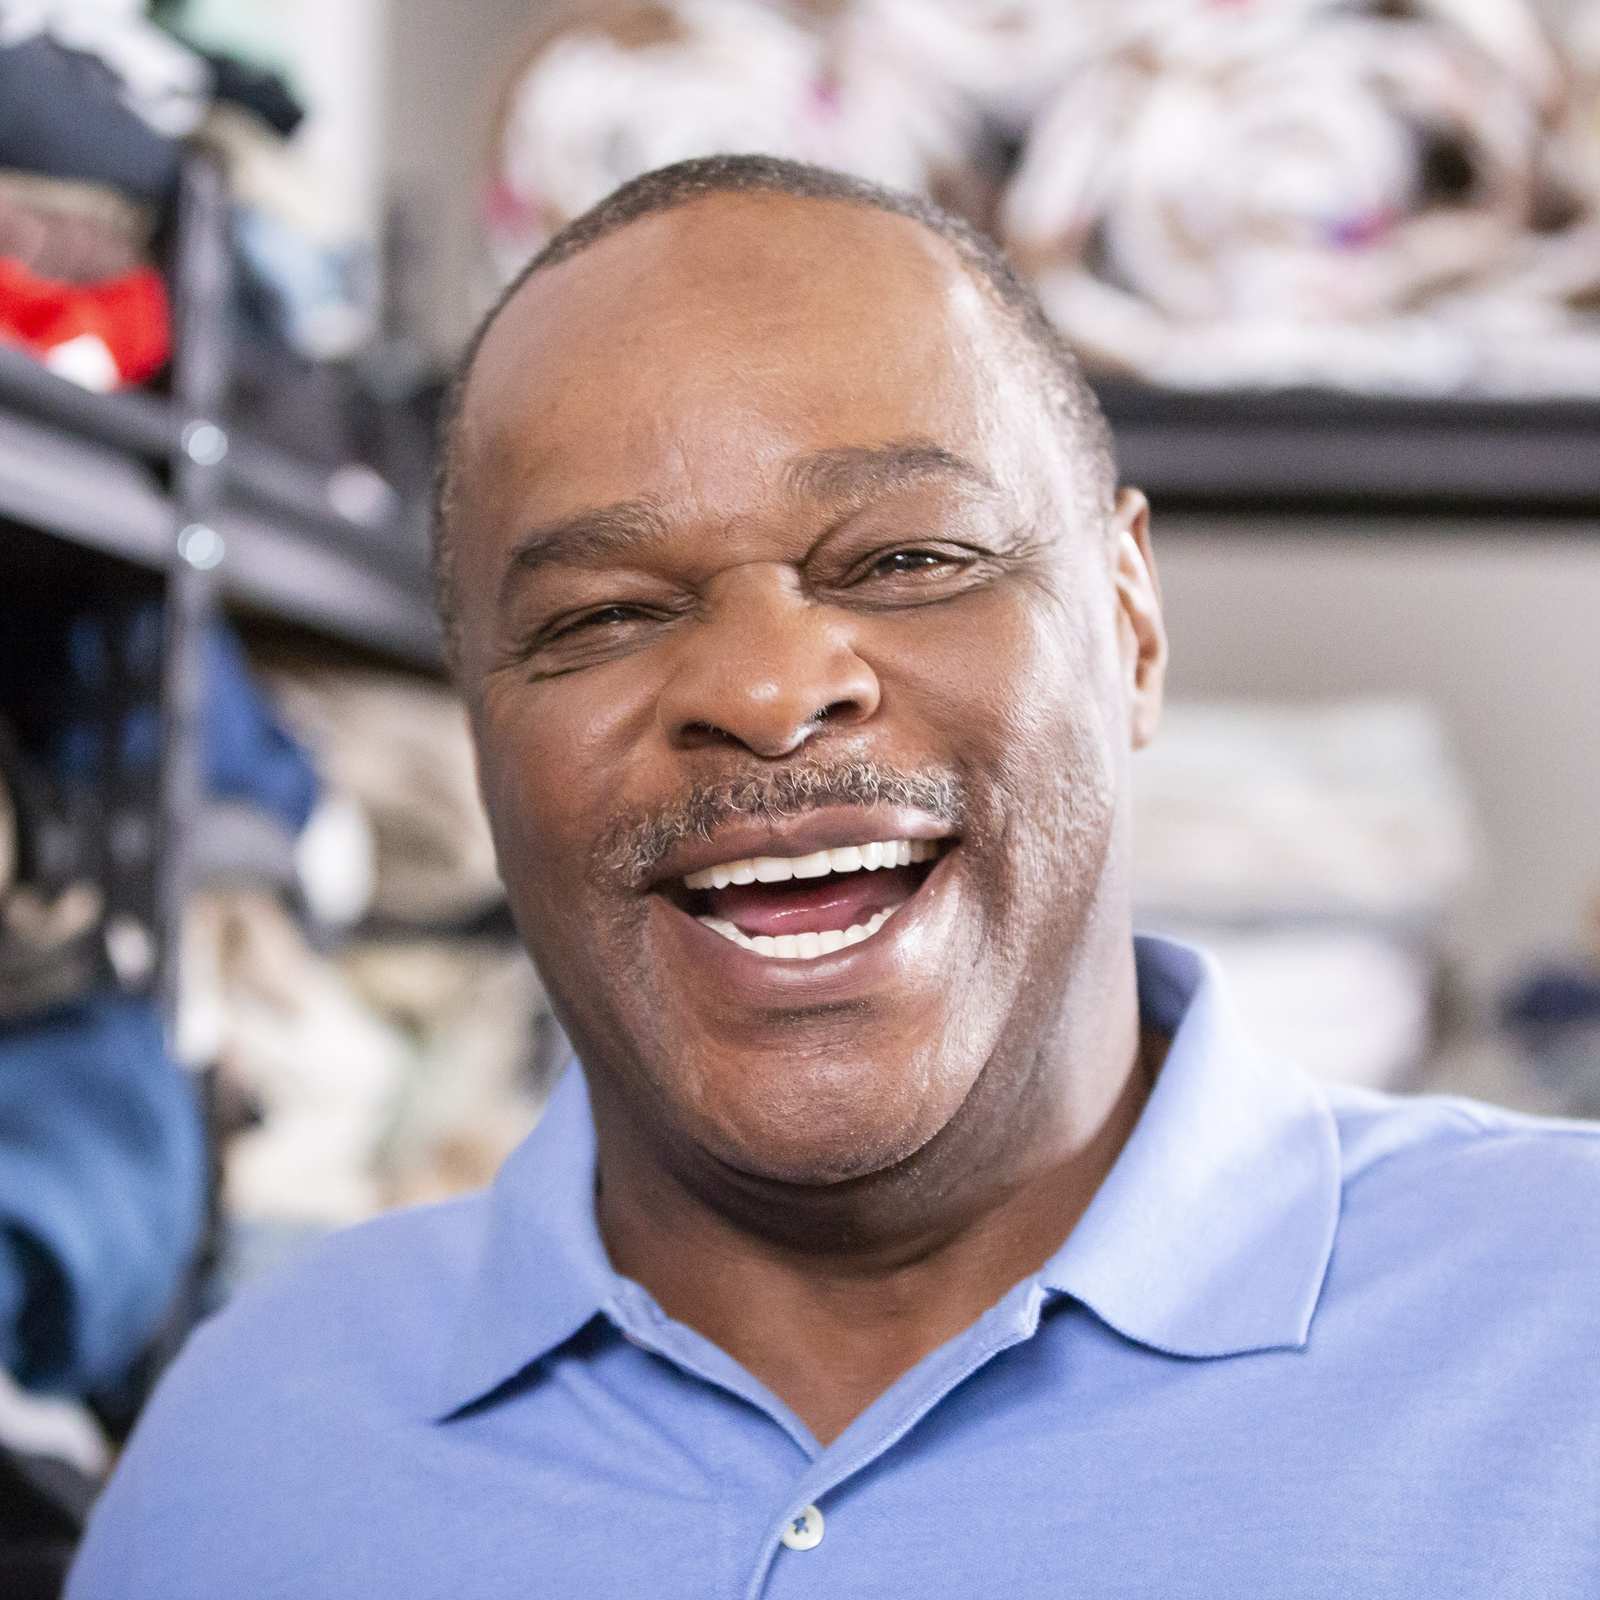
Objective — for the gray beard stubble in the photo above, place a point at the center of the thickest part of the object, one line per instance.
(634, 846)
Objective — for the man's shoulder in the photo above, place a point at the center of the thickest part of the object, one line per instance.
(277, 1397)
(1392, 1136)
(388, 1286)
(1470, 1183)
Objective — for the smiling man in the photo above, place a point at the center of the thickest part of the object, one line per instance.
(909, 1229)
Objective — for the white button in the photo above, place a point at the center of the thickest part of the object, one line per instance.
(804, 1532)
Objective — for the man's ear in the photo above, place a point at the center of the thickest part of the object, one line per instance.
(1141, 632)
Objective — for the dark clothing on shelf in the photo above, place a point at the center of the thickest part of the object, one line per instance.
(43, 1506)
(73, 665)
(102, 1190)
(250, 756)
(264, 93)
(60, 115)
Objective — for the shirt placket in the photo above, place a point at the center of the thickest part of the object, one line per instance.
(800, 1526)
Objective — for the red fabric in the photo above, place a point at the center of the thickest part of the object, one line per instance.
(129, 314)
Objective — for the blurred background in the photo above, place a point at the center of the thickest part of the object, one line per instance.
(1335, 268)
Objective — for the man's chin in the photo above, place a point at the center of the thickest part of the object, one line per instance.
(821, 1120)
(814, 1072)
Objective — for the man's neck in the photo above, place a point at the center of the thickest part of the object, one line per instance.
(868, 1278)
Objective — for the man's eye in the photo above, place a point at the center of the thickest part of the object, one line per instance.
(600, 617)
(893, 563)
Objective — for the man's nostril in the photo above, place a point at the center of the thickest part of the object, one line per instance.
(834, 709)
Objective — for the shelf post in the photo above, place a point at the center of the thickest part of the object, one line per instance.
(202, 289)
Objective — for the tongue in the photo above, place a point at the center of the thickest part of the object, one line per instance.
(813, 905)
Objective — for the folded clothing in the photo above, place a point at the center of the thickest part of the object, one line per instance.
(306, 267)
(102, 335)
(75, 232)
(102, 1190)
(61, 114)
(265, 94)
(73, 663)
(1318, 192)
(398, 1071)
(260, 790)
(50, 949)
(399, 748)
(311, 296)
(637, 86)
(50, 911)
(165, 83)
(1005, 56)
(486, 1052)
(290, 1036)
(250, 753)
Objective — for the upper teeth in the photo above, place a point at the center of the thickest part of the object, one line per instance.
(847, 858)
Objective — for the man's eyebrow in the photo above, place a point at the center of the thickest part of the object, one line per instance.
(849, 475)
(593, 534)
(857, 472)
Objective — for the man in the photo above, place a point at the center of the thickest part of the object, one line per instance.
(909, 1230)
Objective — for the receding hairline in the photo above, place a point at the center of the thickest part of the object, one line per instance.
(918, 236)
(1019, 318)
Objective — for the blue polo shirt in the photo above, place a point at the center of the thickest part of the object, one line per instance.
(1305, 1341)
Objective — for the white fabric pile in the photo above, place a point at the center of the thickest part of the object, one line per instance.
(1389, 196)
(397, 749)
(392, 1072)
(485, 1052)
(1350, 809)
(1004, 57)
(168, 84)
(402, 1059)
(1400, 196)
(290, 1036)
(1316, 851)
(638, 86)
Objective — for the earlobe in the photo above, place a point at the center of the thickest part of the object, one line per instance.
(1140, 624)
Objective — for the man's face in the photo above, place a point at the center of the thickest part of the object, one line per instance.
(768, 551)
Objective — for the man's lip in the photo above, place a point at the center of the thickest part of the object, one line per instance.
(908, 943)
(828, 829)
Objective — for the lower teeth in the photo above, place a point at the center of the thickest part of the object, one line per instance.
(800, 946)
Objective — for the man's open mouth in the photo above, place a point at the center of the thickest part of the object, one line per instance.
(794, 908)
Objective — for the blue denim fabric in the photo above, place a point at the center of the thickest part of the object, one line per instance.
(102, 1190)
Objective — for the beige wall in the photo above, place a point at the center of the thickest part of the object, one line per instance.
(1500, 631)
(446, 64)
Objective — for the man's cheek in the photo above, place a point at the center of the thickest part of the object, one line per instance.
(519, 823)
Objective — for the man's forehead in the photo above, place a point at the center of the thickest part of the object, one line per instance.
(788, 324)
(746, 253)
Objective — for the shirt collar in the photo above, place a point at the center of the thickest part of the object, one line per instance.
(1212, 1233)
(1210, 1236)
(542, 1272)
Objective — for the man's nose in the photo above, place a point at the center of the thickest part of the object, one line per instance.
(764, 669)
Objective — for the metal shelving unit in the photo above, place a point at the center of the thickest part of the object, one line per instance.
(1313, 450)
(98, 471)
(140, 499)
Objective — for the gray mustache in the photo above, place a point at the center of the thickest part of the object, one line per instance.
(634, 846)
